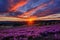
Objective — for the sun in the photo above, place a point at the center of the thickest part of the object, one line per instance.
(31, 20)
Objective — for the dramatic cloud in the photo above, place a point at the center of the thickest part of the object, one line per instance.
(29, 7)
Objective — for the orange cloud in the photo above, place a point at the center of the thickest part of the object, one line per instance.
(18, 4)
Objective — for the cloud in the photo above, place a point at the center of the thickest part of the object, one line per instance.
(24, 6)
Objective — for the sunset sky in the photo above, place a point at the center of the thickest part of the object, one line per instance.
(27, 8)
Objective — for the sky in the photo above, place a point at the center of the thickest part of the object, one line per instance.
(29, 7)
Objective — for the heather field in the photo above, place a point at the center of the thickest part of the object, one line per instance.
(34, 32)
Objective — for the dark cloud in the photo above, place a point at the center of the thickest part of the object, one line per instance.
(3, 5)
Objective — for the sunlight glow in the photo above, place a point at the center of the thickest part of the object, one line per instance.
(31, 20)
